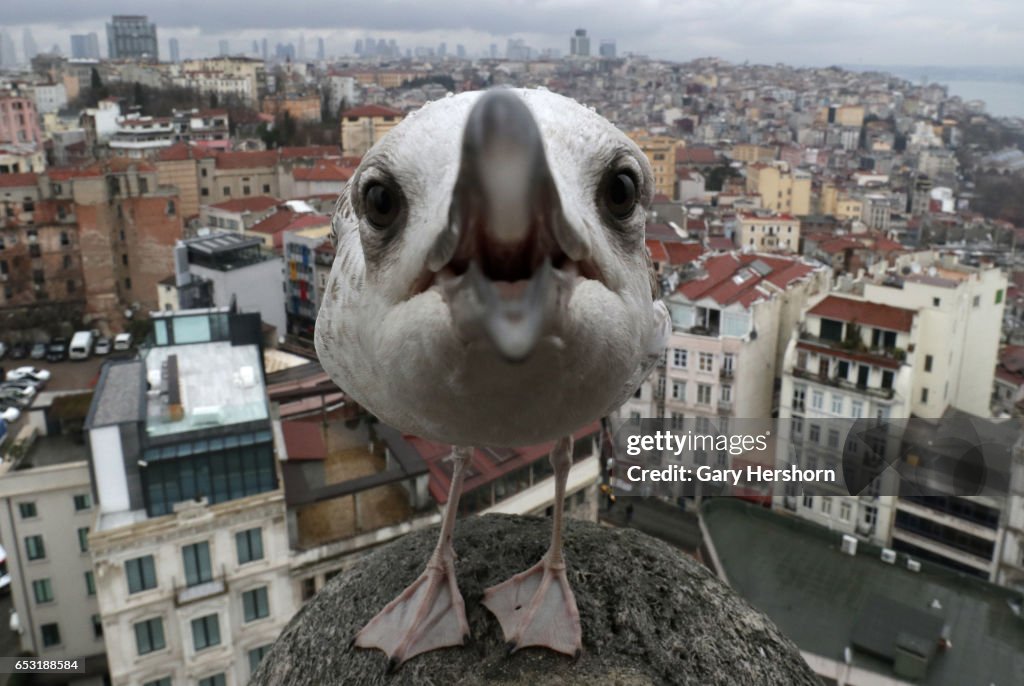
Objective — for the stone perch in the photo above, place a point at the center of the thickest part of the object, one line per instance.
(650, 615)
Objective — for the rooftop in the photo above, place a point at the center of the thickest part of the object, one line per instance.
(119, 396)
(795, 572)
(744, 278)
(864, 312)
(220, 384)
(254, 204)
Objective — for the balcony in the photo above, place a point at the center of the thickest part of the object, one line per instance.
(725, 374)
(835, 382)
(183, 595)
(892, 355)
(724, 407)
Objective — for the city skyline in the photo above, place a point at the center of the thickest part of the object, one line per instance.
(788, 31)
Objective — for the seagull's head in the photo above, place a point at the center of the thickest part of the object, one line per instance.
(492, 246)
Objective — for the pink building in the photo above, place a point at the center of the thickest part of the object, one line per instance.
(19, 122)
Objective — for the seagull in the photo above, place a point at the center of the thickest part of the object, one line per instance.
(492, 287)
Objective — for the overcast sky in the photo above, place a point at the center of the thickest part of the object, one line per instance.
(800, 32)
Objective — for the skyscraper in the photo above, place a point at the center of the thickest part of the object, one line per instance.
(8, 55)
(302, 46)
(359, 47)
(131, 37)
(579, 44)
(256, 47)
(263, 49)
(607, 49)
(460, 51)
(85, 46)
(224, 47)
(320, 52)
(175, 52)
(28, 44)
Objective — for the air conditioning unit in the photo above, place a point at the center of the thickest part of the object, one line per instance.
(914, 565)
(849, 545)
(889, 555)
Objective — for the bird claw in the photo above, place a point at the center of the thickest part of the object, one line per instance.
(537, 608)
(428, 615)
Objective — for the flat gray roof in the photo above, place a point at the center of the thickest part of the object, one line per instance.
(795, 573)
(120, 394)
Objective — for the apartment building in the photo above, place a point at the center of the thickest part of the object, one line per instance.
(225, 269)
(238, 214)
(730, 323)
(95, 238)
(768, 232)
(660, 152)
(781, 188)
(46, 513)
(190, 545)
(19, 120)
(363, 126)
(132, 37)
(306, 280)
(243, 77)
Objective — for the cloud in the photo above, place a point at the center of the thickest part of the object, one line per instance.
(794, 31)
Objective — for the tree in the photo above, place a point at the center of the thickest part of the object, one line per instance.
(95, 82)
(139, 95)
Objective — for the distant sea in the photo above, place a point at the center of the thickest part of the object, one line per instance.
(1000, 88)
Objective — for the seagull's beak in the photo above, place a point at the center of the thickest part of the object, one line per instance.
(506, 222)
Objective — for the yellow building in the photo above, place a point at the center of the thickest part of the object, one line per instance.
(362, 127)
(844, 115)
(781, 189)
(769, 233)
(748, 152)
(661, 153)
(848, 208)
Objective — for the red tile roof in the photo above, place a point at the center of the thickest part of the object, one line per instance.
(258, 203)
(696, 155)
(729, 278)
(372, 111)
(720, 243)
(863, 312)
(323, 170)
(246, 160)
(316, 151)
(17, 180)
(304, 440)
(180, 152)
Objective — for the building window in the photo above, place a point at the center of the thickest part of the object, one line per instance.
(97, 626)
(51, 635)
(215, 680)
(706, 362)
(703, 394)
(817, 400)
(924, 395)
(845, 509)
(870, 515)
(837, 404)
(166, 681)
(141, 573)
(245, 190)
(34, 547)
(196, 558)
(90, 583)
(254, 604)
(833, 439)
(679, 358)
(266, 189)
(204, 192)
(679, 390)
(205, 632)
(83, 539)
(127, 283)
(170, 208)
(250, 545)
(799, 395)
(83, 501)
(42, 590)
(308, 587)
(936, 302)
(227, 191)
(856, 409)
(826, 505)
(808, 501)
(728, 362)
(149, 635)
(27, 510)
(124, 259)
(927, 363)
(814, 433)
(256, 656)
(726, 393)
(999, 296)
(677, 421)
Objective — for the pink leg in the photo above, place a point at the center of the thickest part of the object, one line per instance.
(537, 607)
(430, 613)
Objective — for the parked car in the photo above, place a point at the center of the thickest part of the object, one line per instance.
(81, 345)
(18, 396)
(20, 383)
(102, 347)
(9, 413)
(19, 351)
(38, 351)
(57, 350)
(40, 376)
(123, 341)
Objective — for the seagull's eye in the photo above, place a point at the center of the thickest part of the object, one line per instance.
(381, 205)
(620, 194)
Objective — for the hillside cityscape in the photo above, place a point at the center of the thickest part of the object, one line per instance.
(180, 476)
